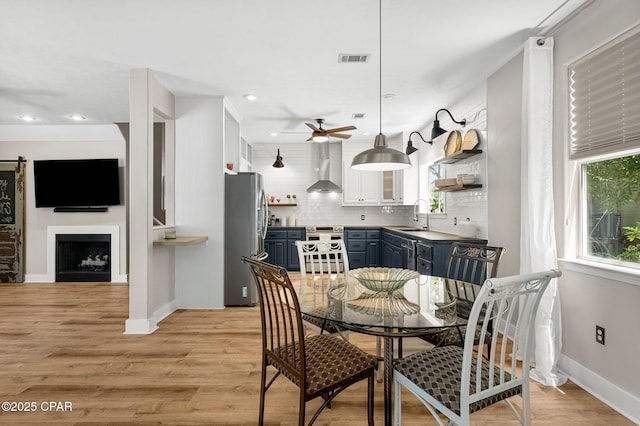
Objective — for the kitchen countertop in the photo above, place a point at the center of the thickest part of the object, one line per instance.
(408, 231)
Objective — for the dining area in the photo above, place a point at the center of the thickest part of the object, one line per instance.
(473, 332)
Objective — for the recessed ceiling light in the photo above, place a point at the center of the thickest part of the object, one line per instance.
(273, 134)
(250, 97)
(27, 118)
(77, 117)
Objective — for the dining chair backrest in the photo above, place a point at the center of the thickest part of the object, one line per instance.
(477, 379)
(282, 326)
(473, 263)
(323, 260)
(320, 365)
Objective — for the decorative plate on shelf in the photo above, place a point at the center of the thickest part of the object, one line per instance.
(471, 139)
(453, 144)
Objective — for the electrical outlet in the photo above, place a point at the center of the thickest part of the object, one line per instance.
(244, 292)
(600, 334)
(361, 217)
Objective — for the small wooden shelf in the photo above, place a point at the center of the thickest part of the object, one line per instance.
(460, 155)
(181, 241)
(453, 188)
(282, 205)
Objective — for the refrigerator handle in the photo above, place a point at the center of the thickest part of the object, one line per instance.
(265, 216)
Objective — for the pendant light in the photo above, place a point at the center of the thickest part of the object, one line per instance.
(278, 164)
(381, 157)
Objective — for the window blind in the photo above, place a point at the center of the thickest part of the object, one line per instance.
(605, 98)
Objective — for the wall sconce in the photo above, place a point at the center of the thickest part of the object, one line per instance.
(437, 130)
(410, 148)
(278, 164)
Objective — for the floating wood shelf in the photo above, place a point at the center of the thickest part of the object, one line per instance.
(460, 155)
(458, 187)
(180, 241)
(282, 205)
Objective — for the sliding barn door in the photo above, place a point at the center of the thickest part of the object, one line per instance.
(12, 186)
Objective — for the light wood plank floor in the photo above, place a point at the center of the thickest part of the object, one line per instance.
(64, 342)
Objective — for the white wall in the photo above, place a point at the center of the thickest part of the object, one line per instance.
(63, 142)
(588, 296)
(504, 105)
(593, 296)
(200, 201)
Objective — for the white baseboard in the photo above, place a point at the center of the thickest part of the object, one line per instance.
(620, 400)
(149, 325)
(46, 279)
(37, 279)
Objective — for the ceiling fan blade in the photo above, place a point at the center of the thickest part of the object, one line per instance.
(341, 129)
(339, 135)
(310, 139)
(313, 127)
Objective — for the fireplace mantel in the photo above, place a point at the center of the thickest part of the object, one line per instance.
(112, 230)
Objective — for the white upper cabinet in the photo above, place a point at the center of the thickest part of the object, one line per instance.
(392, 187)
(361, 188)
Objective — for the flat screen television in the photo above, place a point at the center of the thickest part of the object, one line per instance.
(90, 183)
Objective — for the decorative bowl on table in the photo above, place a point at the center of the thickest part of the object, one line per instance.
(385, 280)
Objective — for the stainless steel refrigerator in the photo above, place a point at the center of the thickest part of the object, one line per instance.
(245, 218)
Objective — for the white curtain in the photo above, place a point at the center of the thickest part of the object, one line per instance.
(538, 241)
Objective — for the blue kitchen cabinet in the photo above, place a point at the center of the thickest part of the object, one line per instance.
(281, 246)
(363, 247)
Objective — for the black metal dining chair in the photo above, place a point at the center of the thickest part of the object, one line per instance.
(472, 263)
(320, 365)
(458, 381)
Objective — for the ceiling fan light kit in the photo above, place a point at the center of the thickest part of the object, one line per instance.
(380, 157)
(322, 135)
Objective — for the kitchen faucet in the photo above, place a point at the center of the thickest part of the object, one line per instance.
(426, 215)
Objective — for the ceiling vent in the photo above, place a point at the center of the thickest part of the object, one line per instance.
(351, 58)
(357, 115)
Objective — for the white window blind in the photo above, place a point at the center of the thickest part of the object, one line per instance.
(605, 98)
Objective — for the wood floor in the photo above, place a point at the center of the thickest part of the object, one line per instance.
(64, 343)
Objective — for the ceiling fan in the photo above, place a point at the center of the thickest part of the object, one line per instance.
(322, 135)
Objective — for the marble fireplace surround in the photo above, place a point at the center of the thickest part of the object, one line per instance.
(114, 231)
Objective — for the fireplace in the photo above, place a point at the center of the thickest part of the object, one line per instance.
(83, 257)
(112, 233)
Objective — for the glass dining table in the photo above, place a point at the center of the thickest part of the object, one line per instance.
(423, 306)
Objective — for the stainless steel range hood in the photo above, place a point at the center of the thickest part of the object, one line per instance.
(324, 183)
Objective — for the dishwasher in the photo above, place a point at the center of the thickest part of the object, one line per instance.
(409, 254)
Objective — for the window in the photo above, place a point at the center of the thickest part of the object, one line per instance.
(612, 209)
(605, 141)
(436, 198)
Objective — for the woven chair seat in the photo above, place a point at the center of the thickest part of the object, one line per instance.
(438, 372)
(330, 361)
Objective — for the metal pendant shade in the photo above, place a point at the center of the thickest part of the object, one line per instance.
(278, 164)
(381, 157)
(437, 130)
